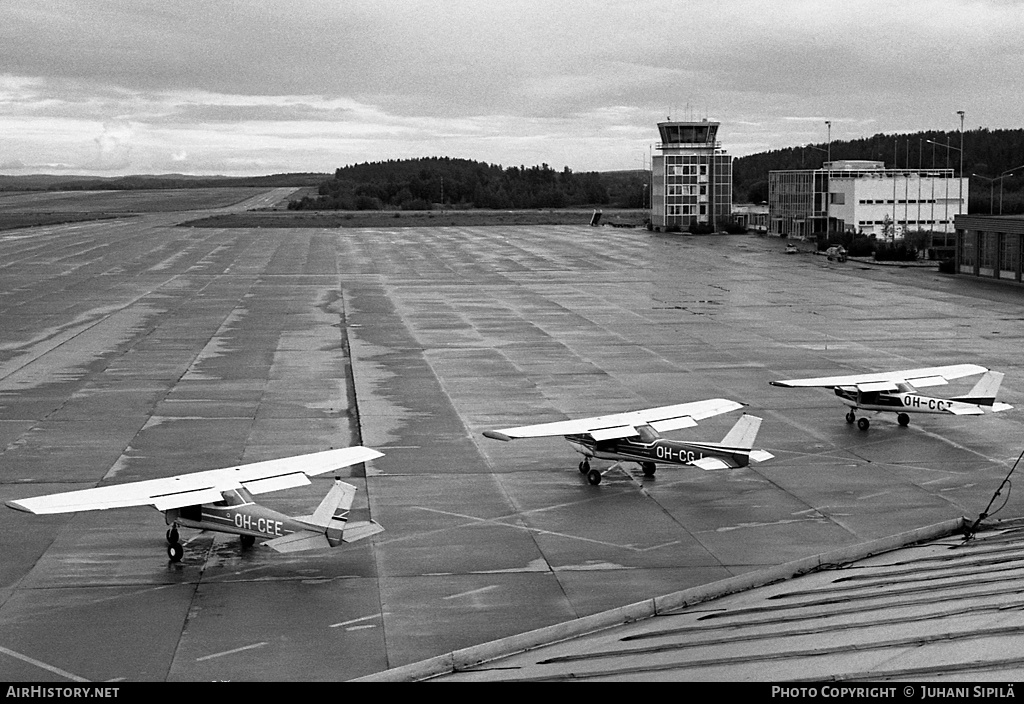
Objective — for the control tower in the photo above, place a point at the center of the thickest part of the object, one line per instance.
(691, 179)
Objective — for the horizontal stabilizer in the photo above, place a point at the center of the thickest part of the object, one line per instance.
(964, 409)
(299, 541)
(999, 406)
(357, 530)
(712, 463)
(760, 455)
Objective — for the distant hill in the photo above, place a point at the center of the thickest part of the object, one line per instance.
(988, 153)
(47, 182)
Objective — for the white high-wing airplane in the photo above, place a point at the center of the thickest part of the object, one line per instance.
(221, 500)
(896, 392)
(635, 436)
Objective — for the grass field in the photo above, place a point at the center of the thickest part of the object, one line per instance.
(32, 208)
(416, 218)
(20, 209)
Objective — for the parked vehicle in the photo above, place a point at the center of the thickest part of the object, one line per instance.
(837, 253)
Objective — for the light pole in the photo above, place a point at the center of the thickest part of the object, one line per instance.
(1001, 177)
(828, 124)
(991, 188)
(960, 208)
(961, 114)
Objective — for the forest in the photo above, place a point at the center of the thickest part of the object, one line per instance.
(993, 159)
(423, 184)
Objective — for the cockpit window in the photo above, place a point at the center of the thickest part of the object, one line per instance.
(231, 497)
(646, 434)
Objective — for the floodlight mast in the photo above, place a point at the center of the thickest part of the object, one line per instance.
(961, 114)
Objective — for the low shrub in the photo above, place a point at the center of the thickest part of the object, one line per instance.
(891, 252)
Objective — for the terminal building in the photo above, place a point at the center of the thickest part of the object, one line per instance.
(864, 197)
(691, 178)
(990, 246)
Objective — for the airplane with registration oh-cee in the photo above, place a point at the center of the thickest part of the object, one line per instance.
(635, 436)
(221, 500)
(896, 392)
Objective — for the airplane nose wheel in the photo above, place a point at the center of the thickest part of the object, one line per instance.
(863, 423)
(903, 419)
(175, 552)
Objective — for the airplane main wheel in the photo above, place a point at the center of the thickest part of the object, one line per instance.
(649, 469)
(594, 477)
(863, 423)
(248, 540)
(584, 467)
(850, 417)
(175, 552)
(903, 419)
(172, 536)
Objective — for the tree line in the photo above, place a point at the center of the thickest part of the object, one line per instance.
(427, 183)
(987, 156)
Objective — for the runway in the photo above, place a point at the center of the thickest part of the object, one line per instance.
(133, 349)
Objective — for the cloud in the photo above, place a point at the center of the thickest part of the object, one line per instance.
(127, 84)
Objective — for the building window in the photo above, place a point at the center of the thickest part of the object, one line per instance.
(987, 253)
(968, 257)
(1009, 256)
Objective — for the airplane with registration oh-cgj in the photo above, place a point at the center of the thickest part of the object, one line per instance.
(635, 436)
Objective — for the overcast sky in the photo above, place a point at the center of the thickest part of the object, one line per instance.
(256, 87)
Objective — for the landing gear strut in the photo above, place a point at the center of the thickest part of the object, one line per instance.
(174, 550)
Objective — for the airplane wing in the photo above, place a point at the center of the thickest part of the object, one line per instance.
(886, 381)
(623, 425)
(200, 487)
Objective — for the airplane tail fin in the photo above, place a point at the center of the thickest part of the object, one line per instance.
(328, 526)
(743, 434)
(331, 520)
(339, 498)
(739, 442)
(984, 392)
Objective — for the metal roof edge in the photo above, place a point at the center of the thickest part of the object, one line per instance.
(510, 645)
